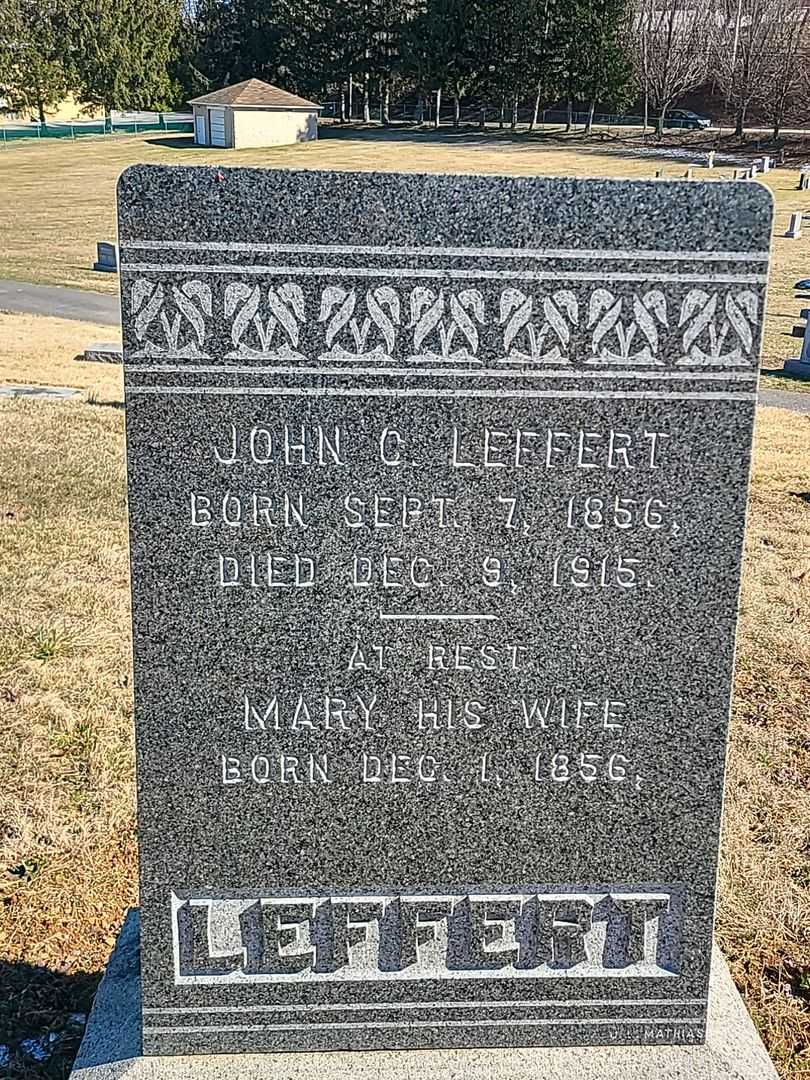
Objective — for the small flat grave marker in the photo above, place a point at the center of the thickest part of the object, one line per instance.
(106, 257)
(436, 489)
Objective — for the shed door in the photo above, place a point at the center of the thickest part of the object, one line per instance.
(216, 118)
(199, 129)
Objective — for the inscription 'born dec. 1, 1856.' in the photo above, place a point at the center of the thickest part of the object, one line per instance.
(436, 489)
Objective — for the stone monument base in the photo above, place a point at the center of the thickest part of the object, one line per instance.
(103, 352)
(111, 1047)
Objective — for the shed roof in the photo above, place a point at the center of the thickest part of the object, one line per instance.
(255, 93)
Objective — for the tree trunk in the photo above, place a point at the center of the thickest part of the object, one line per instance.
(385, 107)
(660, 124)
(739, 128)
(351, 94)
(589, 125)
(535, 111)
(646, 110)
(366, 102)
(501, 117)
(342, 105)
(569, 114)
(41, 110)
(456, 110)
(437, 118)
(514, 123)
(420, 109)
(482, 121)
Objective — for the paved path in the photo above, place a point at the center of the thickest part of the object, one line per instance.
(786, 399)
(61, 303)
(21, 390)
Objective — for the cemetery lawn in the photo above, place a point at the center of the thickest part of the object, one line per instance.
(67, 832)
(59, 195)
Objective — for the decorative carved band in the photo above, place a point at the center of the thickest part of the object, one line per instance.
(421, 324)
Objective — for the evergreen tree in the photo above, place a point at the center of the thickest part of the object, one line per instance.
(217, 37)
(601, 70)
(184, 70)
(121, 52)
(447, 48)
(33, 38)
(385, 59)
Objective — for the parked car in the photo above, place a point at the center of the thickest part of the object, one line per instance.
(683, 118)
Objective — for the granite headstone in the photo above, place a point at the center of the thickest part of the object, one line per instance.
(437, 488)
(106, 257)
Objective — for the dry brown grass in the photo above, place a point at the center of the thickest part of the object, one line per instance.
(42, 351)
(59, 196)
(67, 848)
(764, 915)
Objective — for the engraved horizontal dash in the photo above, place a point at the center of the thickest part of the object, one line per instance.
(342, 1025)
(647, 255)
(439, 616)
(253, 269)
(374, 1006)
(427, 391)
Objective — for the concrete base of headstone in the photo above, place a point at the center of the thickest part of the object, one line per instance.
(103, 352)
(111, 1047)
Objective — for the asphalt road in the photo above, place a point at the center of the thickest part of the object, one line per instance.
(19, 296)
(786, 399)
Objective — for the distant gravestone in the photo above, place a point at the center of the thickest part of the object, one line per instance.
(795, 227)
(801, 366)
(102, 352)
(106, 257)
(436, 492)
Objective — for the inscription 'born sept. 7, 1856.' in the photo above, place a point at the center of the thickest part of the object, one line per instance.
(437, 490)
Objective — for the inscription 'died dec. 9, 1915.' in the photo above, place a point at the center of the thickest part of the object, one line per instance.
(437, 489)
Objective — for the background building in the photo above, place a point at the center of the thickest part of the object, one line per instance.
(253, 113)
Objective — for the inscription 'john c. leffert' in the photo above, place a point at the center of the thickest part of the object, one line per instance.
(479, 446)
(621, 932)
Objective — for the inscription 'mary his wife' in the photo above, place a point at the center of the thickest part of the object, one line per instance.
(480, 447)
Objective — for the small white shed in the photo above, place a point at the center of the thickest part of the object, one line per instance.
(253, 113)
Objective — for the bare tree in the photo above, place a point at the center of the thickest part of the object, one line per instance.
(784, 87)
(671, 41)
(758, 42)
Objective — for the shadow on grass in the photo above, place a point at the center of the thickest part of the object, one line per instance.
(176, 142)
(42, 1019)
(792, 382)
